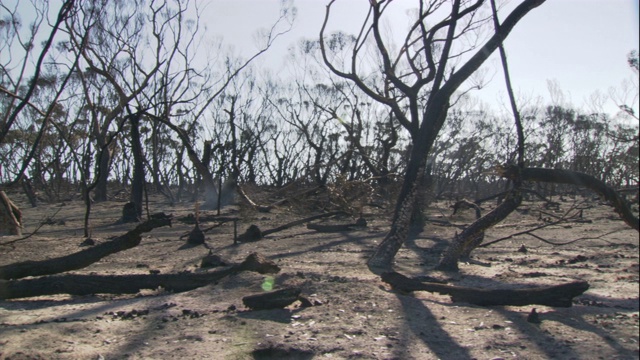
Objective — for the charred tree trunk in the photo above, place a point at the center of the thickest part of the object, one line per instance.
(477, 240)
(409, 194)
(86, 189)
(103, 163)
(182, 183)
(386, 251)
(137, 183)
(10, 216)
(461, 242)
(207, 183)
(28, 190)
(155, 158)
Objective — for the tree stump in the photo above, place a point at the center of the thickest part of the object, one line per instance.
(129, 213)
(10, 216)
(196, 236)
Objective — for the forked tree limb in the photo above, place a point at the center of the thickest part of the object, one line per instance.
(82, 258)
(575, 178)
(127, 284)
(555, 295)
(450, 257)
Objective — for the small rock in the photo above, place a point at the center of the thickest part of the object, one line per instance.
(533, 317)
(304, 301)
(253, 233)
(212, 260)
(88, 242)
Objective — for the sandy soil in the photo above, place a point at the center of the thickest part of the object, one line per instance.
(356, 316)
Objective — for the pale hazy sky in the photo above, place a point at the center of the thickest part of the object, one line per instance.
(581, 45)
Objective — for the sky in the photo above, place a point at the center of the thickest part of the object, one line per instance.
(580, 46)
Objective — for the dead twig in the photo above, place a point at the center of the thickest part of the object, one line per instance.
(42, 223)
(599, 237)
(565, 218)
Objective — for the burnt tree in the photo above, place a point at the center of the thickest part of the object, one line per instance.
(418, 83)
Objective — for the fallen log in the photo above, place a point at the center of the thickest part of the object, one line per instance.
(272, 300)
(555, 295)
(82, 258)
(190, 219)
(329, 228)
(127, 284)
(359, 224)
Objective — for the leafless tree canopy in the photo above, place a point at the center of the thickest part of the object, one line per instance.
(104, 98)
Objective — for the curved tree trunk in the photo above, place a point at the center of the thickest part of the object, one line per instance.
(401, 224)
(576, 178)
